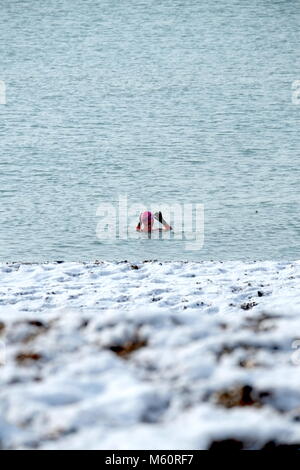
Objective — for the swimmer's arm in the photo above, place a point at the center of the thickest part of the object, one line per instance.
(166, 227)
(138, 228)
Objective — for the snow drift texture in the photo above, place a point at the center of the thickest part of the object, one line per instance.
(153, 355)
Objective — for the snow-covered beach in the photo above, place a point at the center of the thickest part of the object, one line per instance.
(149, 355)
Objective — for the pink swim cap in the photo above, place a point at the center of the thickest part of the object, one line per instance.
(147, 218)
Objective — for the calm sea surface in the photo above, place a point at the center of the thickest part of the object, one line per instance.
(162, 101)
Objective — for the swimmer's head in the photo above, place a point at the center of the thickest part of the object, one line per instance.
(147, 219)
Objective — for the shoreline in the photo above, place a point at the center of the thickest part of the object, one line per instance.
(98, 262)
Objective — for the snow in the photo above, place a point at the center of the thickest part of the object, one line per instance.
(149, 355)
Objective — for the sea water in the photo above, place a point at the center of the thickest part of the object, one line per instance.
(164, 102)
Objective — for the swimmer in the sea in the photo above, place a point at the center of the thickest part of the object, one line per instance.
(146, 222)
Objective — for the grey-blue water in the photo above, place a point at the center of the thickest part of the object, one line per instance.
(163, 101)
